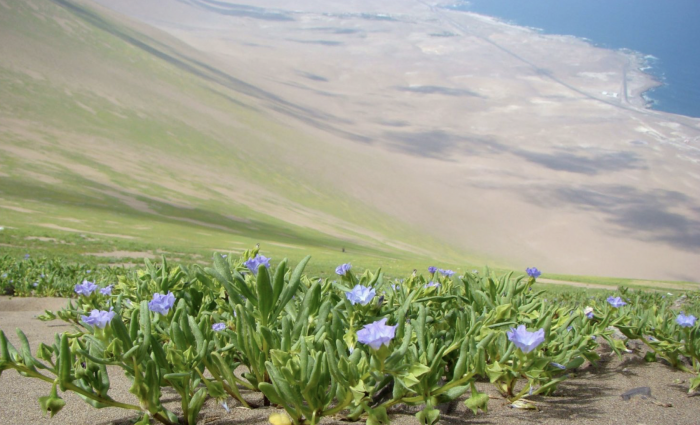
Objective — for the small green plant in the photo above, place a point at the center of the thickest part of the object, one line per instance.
(354, 346)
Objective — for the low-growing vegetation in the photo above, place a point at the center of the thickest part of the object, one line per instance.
(351, 346)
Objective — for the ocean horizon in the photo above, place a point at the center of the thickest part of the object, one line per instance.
(665, 34)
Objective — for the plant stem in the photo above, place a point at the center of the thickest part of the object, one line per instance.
(340, 406)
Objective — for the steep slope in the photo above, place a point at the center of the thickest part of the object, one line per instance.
(524, 147)
(359, 124)
(113, 127)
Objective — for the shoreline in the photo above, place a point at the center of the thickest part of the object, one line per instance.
(637, 96)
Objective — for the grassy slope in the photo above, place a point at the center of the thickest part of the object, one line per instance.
(114, 137)
(110, 131)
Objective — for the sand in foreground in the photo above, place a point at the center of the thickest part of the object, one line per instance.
(592, 397)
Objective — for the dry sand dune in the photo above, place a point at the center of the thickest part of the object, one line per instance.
(592, 397)
(519, 147)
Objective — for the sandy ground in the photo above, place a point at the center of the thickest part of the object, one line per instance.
(648, 284)
(123, 254)
(593, 396)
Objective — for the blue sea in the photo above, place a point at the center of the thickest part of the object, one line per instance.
(666, 33)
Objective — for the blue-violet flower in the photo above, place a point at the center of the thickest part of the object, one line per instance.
(99, 318)
(686, 321)
(86, 288)
(360, 295)
(161, 303)
(533, 272)
(377, 334)
(254, 264)
(343, 269)
(526, 341)
(616, 301)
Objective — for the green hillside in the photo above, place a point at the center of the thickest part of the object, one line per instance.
(114, 136)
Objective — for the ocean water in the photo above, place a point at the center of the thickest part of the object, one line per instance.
(667, 33)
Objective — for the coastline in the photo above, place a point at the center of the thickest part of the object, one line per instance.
(644, 81)
(641, 95)
(639, 82)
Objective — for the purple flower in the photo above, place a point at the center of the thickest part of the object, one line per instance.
(526, 341)
(447, 273)
(35, 284)
(86, 288)
(343, 269)
(360, 295)
(254, 264)
(107, 290)
(89, 271)
(616, 301)
(161, 303)
(26, 256)
(218, 326)
(377, 334)
(588, 311)
(395, 287)
(432, 269)
(686, 321)
(432, 285)
(558, 366)
(98, 318)
(533, 272)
